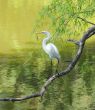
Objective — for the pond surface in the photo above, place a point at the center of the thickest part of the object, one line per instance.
(24, 67)
(17, 19)
(25, 74)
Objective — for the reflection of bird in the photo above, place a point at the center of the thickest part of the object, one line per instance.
(50, 48)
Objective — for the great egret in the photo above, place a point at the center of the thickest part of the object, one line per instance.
(50, 48)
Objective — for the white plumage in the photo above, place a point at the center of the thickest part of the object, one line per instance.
(50, 48)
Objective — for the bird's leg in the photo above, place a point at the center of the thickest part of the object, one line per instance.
(51, 62)
(58, 61)
(51, 68)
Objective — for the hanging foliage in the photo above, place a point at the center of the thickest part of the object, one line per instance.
(64, 15)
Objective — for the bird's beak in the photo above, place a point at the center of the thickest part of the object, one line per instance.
(37, 34)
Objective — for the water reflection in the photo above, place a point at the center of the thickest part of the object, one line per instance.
(19, 78)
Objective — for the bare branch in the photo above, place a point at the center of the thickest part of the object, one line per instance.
(74, 41)
(80, 43)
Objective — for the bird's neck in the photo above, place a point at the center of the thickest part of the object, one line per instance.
(44, 43)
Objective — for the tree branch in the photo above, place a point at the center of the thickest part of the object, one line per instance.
(74, 41)
(85, 20)
(80, 43)
(74, 14)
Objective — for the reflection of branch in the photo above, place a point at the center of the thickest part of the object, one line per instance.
(86, 20)
(80, 44)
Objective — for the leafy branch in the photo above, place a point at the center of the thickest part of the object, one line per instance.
(64, 14)
(85, 20)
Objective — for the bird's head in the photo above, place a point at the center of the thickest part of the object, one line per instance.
(45, 32)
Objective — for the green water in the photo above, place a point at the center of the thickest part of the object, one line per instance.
(17, 19)
(24, 67)
(24, 75)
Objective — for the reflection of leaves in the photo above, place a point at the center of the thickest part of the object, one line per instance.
(74, 91)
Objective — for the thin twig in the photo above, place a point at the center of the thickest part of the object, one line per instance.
(74, 41)
(83, 19)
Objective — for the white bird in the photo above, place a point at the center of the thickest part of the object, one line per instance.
(50, 48)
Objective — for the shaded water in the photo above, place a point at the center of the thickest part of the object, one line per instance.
(24, 73)
(75, 91)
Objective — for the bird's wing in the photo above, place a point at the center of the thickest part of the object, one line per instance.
(52, 50)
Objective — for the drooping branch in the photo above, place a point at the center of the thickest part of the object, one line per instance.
(83, 19)
(74, 14)
(80, 43)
